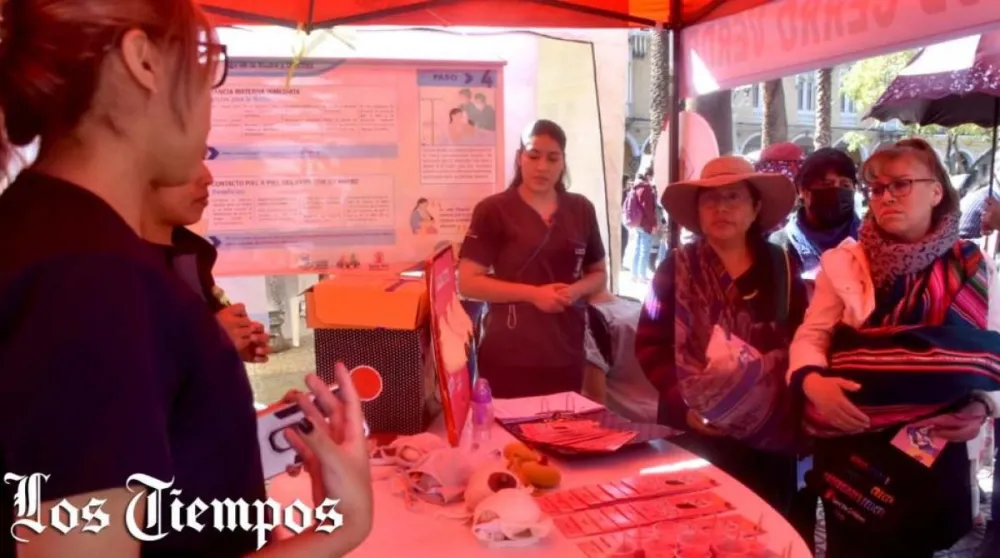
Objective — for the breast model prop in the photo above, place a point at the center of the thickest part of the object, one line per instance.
(510, 518)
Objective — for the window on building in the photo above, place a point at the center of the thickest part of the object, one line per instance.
(847, 105)
(806, 92)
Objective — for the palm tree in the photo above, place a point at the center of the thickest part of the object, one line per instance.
(774, 127)
(823, 136)
(659, 84)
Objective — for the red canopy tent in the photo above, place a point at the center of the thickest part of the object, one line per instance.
(673, 14)
(666, 14)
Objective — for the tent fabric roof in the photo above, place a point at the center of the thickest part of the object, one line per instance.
(474, 13)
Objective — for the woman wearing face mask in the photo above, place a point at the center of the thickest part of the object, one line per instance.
(534, 254)
(826, 184)
(111, 366)
(908, 287)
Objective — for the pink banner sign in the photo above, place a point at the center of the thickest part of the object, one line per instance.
(698, 146)
(790, 36)
(452, 333)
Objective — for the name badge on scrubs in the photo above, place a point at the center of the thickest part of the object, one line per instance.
(580, 252)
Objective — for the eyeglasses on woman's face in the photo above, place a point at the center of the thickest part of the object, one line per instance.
(218, 56)
(713, 199)
(897, 187)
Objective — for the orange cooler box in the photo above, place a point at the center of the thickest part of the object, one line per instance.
(378, 326)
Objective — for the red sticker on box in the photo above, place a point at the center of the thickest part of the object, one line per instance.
(367, 382)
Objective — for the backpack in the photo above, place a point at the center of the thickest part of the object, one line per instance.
(632, 208)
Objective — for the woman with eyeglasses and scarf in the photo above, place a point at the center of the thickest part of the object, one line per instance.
(899, 338)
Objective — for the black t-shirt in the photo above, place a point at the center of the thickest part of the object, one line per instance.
(192, 258)
(112, 367)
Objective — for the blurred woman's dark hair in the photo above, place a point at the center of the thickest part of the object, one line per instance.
(551, 130)
(52, 53)
(822, 162)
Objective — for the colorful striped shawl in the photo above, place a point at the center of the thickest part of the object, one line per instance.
(928, 352)
(749, 403)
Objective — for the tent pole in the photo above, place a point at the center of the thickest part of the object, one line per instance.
(993, 159)
(311, 16)
(673, 118)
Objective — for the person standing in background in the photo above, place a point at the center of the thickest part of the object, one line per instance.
(976, 210)
(167, 214)
(989, 221)
(826, 184)
(639, 214)
(782, 158)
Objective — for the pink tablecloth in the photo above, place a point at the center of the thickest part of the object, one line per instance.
(422, 534)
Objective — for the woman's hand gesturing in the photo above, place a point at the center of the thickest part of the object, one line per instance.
(334, 450)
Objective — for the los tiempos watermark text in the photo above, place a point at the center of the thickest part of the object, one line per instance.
(150, 496)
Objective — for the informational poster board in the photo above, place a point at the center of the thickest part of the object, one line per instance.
(452, 332)
(348, 164)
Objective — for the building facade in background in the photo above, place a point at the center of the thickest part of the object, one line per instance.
(800, 104)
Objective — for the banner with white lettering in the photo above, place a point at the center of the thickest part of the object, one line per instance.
(790, 36)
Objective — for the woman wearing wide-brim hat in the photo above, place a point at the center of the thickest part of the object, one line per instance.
(730, 277)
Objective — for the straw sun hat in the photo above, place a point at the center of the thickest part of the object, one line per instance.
(777, 194)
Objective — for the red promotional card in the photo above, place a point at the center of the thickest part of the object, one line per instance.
(681, 509)
(569, 526)
(575, 502)
(561, 503)
(625, 489)
(587, 524)
(599, 494)
(637, 490)
(669, 483)
(604, 522)
(633, 516)
(614, 514)
(547, 506)
(599, 547)
(452, 333)
(696, 504)
(613, 490)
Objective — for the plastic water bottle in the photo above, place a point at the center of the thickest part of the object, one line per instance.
(482, 412)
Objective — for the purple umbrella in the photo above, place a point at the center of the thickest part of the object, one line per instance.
(948, 84)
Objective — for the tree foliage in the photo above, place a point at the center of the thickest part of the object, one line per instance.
(868, 79)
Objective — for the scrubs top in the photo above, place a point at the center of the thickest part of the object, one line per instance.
(526, 351)
(112, 367)
(192, 258)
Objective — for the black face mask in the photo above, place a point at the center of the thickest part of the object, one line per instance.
(831, 206)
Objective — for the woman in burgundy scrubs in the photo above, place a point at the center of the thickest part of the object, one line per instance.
(534, 254)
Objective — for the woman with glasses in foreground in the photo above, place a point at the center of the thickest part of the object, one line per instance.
(111, 366)
(896, 360)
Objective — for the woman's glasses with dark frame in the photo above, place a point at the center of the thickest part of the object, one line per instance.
(899, 188)
(209, 53)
